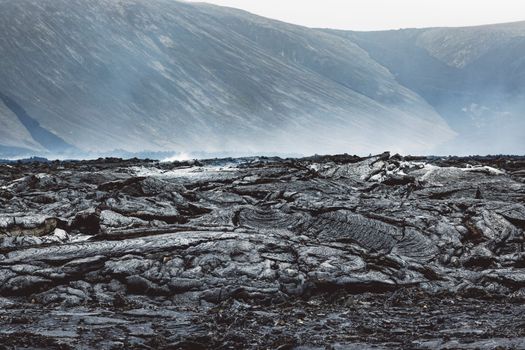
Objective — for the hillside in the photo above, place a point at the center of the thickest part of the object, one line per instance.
(474, 77)
(97, 75)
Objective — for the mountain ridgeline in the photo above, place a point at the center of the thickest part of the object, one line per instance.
(88, 76)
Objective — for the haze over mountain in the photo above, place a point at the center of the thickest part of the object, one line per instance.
(97, 75)
(474, 77)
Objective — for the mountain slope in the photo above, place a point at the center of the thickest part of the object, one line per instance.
(13, 132)
(167, 75)
(459, 47)
(474, 77)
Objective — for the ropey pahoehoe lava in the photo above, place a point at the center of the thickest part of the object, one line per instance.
(235, 253)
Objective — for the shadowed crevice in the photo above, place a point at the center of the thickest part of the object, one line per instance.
(44, 137)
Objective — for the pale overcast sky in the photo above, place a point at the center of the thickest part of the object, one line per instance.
(384, 14)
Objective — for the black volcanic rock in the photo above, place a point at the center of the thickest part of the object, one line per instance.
(248, 253)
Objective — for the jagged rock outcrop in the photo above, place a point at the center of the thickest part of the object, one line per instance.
(108, 249)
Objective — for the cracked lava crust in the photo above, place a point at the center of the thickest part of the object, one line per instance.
(334, 251)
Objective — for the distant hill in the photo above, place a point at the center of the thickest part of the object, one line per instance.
(474, 77)
(161, 75)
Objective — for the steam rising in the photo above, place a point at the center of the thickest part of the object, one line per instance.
(179, 157)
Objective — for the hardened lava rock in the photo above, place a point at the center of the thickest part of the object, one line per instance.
(334, 251)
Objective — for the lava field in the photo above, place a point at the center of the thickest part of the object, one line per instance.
(338, 252)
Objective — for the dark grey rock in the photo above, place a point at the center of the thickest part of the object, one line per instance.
(322, 244)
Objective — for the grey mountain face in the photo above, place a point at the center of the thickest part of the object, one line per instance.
(161, 75)
(474, 77)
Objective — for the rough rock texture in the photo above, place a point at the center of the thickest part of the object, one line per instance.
(341, 251)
